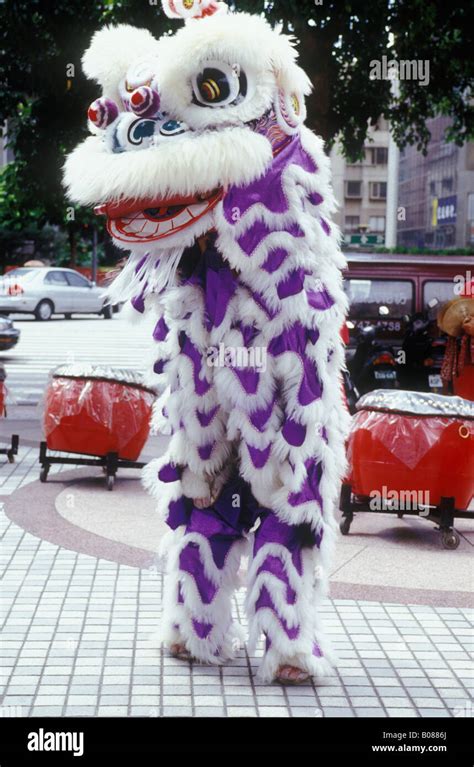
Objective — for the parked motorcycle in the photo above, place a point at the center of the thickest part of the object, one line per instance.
(424, 348)
(351, 392)
(374, 365)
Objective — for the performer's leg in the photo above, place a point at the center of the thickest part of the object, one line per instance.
(203, 560)
(285, 587)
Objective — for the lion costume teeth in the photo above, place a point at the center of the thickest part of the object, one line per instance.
(223, 198)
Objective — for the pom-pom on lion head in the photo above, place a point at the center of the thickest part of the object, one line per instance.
(192, 9)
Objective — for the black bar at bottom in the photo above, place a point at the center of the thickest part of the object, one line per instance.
(431, 740)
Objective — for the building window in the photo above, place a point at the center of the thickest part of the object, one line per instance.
(354, 189)
(377, 223)
(379, 155)
(378, 190)
(433, 187)
(352, 223)
(447, 184)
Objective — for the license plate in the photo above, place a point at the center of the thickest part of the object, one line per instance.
(385, 375)
(435, 382)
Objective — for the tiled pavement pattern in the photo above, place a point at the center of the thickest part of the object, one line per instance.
(76, 642)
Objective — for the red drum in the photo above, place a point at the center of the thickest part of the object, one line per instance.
(464, 383)
(410, 442)
(97, 410)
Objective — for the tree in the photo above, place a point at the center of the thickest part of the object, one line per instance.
(43, 101)
(44, 95)
(340, 38)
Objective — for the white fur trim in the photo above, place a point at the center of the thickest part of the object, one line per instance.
(93, 175)
(225, 638)
(310, 589)
(112, 51)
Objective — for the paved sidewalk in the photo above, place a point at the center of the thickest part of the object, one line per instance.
(77, 631)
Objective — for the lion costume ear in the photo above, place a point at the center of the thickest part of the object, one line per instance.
(112, 51)
(293, 84)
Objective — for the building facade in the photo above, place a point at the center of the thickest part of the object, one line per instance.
(361, 188)
(436, 193)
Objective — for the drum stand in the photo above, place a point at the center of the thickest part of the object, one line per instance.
(443, 514)
(11, 451)
(110, 464)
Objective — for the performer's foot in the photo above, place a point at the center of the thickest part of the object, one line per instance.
(180, 651)
(291, 675)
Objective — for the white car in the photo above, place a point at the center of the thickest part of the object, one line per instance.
(48, 291)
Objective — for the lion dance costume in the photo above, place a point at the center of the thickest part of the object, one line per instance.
(202, 165)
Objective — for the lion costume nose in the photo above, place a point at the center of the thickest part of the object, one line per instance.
(102, 112)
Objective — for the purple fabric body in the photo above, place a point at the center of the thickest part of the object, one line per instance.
(310, 490)
(274, 260)
(206, 418)
(213, 275)
(205, 451)
(268, 190)
(201, 386)
(222, 526)
(161, 331)
(265, 600)
(294, 433)
(169, 473)
(220, 287)
(138, 303)
(260, 418)
(292, 284)
(295, 339)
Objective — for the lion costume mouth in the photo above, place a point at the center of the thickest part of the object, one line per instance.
(151, 220)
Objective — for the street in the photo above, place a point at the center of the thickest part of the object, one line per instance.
(82, 585)
(44, 346)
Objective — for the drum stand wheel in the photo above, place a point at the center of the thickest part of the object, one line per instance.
(44, 473)
(450, 539)
(345, 526)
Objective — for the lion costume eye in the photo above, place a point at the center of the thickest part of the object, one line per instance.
(219, 85)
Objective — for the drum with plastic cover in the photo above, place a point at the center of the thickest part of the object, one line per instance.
(412, 442)
(97, 410)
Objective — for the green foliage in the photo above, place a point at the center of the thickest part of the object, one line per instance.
(45, 108)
